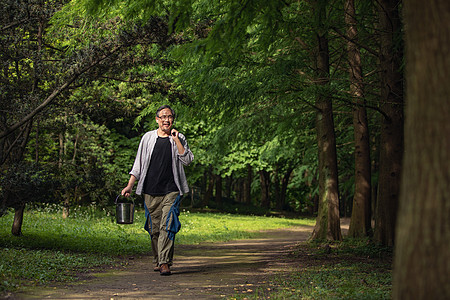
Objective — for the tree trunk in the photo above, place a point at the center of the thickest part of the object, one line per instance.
(218, 180)
(277, 188)
(17, 156)
(66, 208)
(422, 260)
(360, 224)
(36, 145)
(18, 219)
(228, 185)
(281, 198)
(75, 143)
(193, 194)
(209, 187)
(313, 205)
(264, 177)
(238, 188)
(61, 150)
(328, 222)
(391, 147)
(284, 185)
(248, 185)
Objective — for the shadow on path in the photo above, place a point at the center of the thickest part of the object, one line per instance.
(206, 271)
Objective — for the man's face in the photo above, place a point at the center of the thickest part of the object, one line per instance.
(165, 120)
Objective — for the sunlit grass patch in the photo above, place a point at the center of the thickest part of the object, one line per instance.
(85, 230)
(210, 227)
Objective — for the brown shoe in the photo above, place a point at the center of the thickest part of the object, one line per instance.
(156, 268)
(164, 270)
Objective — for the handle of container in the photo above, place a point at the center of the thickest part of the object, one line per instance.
(118, 198)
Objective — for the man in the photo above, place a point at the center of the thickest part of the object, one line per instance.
(158, 167)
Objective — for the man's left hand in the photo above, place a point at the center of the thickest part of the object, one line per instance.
(174, 133)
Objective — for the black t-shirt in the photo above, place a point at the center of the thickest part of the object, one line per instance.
(159, 179)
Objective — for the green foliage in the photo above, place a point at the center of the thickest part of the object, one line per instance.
(92, 162)
(239, 74)
(75, 48)
(71, 29)
(129, 9)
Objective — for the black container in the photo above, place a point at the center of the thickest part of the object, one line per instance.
(124, 212)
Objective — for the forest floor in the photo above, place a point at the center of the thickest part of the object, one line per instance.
(205, 271)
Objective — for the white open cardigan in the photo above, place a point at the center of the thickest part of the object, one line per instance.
(144, 154)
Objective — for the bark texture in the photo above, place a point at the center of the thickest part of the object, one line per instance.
(248, 185)
(422, 261)
(264, 178)
(16, 228)
(218, 182)
(209, 187)
(391, 144)
(328, 222)
(360, 224)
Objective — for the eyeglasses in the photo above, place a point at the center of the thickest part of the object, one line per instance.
(165, 118)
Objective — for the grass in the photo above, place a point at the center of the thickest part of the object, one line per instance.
(352, 269)
(19, 266)
(212, 227)
(56, 249)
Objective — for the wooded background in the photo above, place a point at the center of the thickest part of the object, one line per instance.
(287, 105)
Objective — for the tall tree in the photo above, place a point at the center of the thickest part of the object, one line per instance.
(219, 189)
(360, 224)
(422, 268)
(24, 81)
(247, 186)
(391, 144)
(328, 222)
(264, 178)
(281, 181)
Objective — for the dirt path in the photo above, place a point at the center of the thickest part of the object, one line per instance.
(206, 271)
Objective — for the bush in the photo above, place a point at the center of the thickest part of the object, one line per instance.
(24, 182)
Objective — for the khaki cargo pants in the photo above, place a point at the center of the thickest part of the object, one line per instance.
(158, 207)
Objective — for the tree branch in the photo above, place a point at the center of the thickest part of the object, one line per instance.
(384, 114)
(371, 51)
(134, 81)
(14, 24)
(54, 94)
